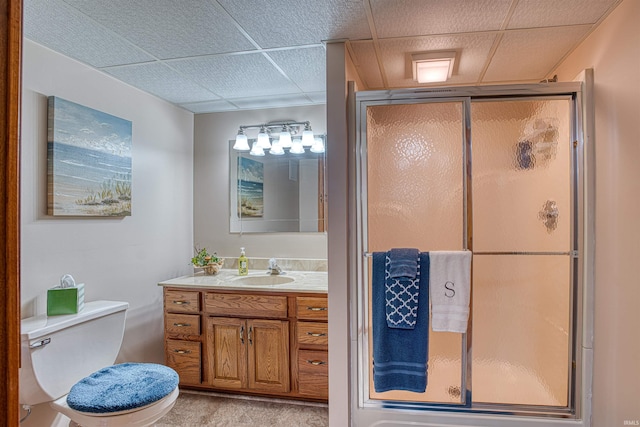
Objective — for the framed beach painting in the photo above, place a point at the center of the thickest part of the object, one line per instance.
(88, 161)
(250, 188)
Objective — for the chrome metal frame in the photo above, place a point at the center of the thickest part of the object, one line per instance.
(359, 317)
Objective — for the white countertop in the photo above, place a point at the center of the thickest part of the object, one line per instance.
(227, 279)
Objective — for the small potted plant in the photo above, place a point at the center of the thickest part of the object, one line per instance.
(210, 263)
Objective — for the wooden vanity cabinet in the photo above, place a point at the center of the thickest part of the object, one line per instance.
(266, 343)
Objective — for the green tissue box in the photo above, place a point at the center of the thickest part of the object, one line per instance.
(65, 300)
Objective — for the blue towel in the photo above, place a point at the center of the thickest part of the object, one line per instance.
(403, 262)
(121, 387)
(399, 355)
(401, 291)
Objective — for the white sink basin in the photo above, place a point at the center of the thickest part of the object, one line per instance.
(264, 280)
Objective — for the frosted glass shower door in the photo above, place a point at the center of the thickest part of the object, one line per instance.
(522, 245)
(415, 198)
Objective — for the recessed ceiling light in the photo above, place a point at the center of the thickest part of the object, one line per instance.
(432, 67)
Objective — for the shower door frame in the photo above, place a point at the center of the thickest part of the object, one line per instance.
(361, 402)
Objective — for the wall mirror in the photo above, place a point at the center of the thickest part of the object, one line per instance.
(277, 193)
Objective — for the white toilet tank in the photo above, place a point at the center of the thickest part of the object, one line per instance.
(59, 351)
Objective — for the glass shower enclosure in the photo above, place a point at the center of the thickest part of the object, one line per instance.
(495, 171)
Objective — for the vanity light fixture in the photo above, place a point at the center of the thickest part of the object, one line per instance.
(277, 136)
(432, 67)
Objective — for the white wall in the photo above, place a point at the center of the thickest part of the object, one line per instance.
(211, 187)
(613, 51)
(116, 258)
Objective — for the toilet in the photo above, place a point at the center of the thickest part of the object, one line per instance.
(59, 352)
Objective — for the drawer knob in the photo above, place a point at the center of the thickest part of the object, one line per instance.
(317, 308)
(316, 334)
(181, 302)
(182, 324)
(316, 362)
(182, 351)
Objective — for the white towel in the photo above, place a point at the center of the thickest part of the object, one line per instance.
(450, 288)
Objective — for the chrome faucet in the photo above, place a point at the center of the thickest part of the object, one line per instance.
(274, 268)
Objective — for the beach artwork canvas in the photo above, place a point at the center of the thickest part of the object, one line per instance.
(88, 161)
(250, 188)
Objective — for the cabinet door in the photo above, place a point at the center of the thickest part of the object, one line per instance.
(226, 351)
(268, 355)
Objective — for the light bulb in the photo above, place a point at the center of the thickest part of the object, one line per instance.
(307, 138)
(296, 147)
(256, 150)
(276, 149)
(318, 146)
(285, 138)
(263, 139)
(242, 144)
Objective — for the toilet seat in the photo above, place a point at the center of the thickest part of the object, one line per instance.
(137, 417)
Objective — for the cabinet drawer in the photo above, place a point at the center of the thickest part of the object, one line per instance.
(311, 308)
(313, 333)
(182, 324)
(313, 373)
(182, 301)
(185, 358)
(245, 305)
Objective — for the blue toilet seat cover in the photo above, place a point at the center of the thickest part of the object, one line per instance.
(122, 387)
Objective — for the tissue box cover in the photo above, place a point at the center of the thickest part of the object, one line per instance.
(65, 300)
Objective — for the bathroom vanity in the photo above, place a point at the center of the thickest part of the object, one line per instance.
(249, 334)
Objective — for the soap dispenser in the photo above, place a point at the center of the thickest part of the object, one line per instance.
(243, 264)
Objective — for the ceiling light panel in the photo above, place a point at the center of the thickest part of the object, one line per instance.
(160, 80)
(550, 13)
(414, 18)
(60, 27)
(296, 23)
(306, 67)
(470, 59)
(531, 54)
(168, 28)
(236, 76)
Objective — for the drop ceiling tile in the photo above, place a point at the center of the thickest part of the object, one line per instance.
(168, 28)
(275, 101)
(549, 13)
(279, 23)
(305, 66)
(366, 63)
(161, 81)
(532, 54)
(56, 25)
(472, 50)
(209, 107)
(236, 76)
(414, 18)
